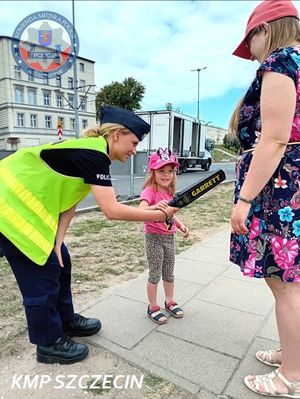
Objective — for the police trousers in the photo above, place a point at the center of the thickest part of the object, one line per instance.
(46, 292)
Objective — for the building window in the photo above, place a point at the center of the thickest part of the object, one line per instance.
(13, 141)
(71, 101)
(83, 103)
(84, 123)
(70, 83)
(19, 94)
(47, 98)
(58, 81)
(45, 79)
(72, 123)
(33, 120)
(48, 123)
(30, 75)
(81, 85)
(81, 67)
(32, 97)
(59, 101)
(21, 120)
(17, 72)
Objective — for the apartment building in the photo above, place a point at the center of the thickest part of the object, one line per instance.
(31, 108)
(215, 133)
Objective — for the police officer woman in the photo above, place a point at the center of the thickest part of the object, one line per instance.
(39, 189)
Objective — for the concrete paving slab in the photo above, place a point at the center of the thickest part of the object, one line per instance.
(135, 359)
(193, 363)
(219, 241)
(136, 289)
(235, 272)
(241, 295)
(206, 395)
(124, 321)
(209, 255)
(250, 365)
(269, 330)
(215, 327)
(197, 272)
(228, 317)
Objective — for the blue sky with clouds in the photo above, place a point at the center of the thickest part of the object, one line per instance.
(158, 43)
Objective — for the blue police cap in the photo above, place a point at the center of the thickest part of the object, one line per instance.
(126, 118)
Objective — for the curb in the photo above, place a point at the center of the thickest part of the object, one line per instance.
(130, 201)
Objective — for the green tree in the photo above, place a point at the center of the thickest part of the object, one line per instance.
(169, 107)
(127, 94)
(231, 142)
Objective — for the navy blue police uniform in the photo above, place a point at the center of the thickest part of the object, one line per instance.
(46, 290)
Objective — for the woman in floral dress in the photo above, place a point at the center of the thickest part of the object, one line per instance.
(265, 241)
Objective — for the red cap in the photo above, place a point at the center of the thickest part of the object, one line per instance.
(267, 11)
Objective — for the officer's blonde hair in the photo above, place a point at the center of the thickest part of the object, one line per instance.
(104, 130)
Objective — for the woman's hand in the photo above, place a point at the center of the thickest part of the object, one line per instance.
(238, 217)
(57, 250)
(185, 231)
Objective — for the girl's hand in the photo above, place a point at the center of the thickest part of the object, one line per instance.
(57, 250)
(163, 204)
(185, 231)
(238, 217)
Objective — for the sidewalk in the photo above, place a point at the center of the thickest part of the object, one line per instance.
(227, 318)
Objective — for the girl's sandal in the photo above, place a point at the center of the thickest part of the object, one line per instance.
(175, 311)
(267, 357)
(266, 381)
(159, 318)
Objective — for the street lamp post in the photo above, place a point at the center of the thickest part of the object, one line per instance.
(198, 102)
(75, 83)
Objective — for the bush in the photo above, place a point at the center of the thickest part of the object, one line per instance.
(231, 142)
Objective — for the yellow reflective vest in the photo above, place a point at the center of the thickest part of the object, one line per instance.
(32, 196)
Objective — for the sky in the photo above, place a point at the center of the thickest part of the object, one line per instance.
(159, 43)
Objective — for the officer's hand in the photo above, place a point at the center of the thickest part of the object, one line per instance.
(170, 211)
(163, 204)
(57, 250)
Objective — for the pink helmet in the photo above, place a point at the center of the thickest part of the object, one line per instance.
(161, 158)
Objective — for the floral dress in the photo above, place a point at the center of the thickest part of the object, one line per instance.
(272, 246)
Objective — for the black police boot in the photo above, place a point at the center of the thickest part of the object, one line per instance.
(82, 326)
(63, 351)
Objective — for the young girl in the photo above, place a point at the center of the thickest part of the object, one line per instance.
(158, 190)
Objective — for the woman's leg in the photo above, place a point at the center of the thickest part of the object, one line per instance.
(287, 309)
(276, 355)
(287, 297)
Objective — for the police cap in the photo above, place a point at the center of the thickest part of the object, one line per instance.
(126, 118)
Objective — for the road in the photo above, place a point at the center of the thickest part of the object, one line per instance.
(121, 183)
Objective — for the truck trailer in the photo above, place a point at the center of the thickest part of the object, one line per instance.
(182, 134)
